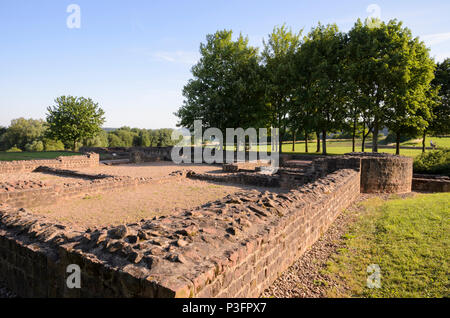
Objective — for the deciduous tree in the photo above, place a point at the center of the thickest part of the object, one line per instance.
(73, 119)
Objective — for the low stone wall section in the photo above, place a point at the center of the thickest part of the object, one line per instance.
(246, 178)
(71, 173)
(233, 247)
(62, 162)
(386, 175)
(430, 183)
(380, 173)
(37, 194)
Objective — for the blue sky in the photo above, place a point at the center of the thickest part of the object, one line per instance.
(133, 57)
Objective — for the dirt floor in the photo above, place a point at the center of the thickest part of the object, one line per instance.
(48, 179)
(150, 169)
(133, 204)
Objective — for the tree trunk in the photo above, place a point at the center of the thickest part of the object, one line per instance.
(293, 140)
(279, 134)
(423, 140)
(74, 145)
(283, 134)
(306, 141)
(324, 142)
(397, 144)
(375, 135)
(363, 145)
(318, 141)
(354, 134)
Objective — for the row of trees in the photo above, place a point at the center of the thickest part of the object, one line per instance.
(376, 75)
(73, 122)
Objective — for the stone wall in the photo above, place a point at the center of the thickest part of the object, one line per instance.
(430, 183)
(164, 153)
(62, 162)
(386, 174)
(36, 194)
(250, 166)
(233, 247)
(246, 178)
(380, 172)
(36, 266)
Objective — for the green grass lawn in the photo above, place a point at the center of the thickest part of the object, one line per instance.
(339, 147)
(439, 141)
(25, 155)
(409, 239)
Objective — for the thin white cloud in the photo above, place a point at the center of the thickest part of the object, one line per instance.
(184, 57)
(437, 38)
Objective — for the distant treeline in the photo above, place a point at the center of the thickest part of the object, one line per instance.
(29, 135)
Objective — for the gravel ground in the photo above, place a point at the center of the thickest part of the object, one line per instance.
(304, 279)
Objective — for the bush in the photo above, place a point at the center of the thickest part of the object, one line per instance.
(53, 145)
(434, 162)
(14, 149)
(36, 145)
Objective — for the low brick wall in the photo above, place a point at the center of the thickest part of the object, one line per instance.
(430, 183)
(386, 174)
(246, 178)
(256, 264)
(233, 247)
(380, 172)
(43, 194)
(142, 154)
(244, 166)
(62, 162)
(71, 173)
(33, 268)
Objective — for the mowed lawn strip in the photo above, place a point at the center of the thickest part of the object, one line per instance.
(29, 155)
(407, 238)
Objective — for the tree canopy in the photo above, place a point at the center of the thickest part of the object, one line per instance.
(73, 119)
(226, 89)
(376, 75)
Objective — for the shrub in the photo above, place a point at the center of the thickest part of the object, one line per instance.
(36, 145)
(14, 149)
(434, 162)
(53, 145)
